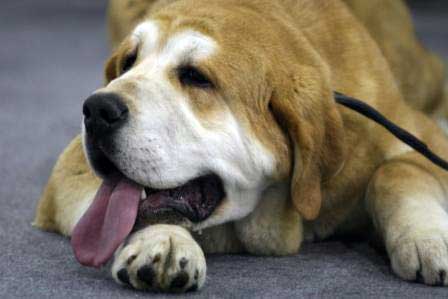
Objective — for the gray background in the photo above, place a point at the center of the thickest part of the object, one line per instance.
(51, 58)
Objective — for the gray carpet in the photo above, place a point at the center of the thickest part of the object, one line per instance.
(51, 55)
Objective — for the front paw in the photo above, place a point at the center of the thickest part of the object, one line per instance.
(422, 256)
(160, 258)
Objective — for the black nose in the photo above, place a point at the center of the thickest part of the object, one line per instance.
(103, 114)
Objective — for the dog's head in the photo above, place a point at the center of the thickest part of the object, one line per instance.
(207, 108)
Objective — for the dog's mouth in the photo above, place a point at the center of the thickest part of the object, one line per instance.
(195, 200)
(122, 204)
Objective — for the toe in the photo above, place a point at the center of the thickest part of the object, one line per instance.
(434, 260)
(405, 261)
(147, 275)
(123, 276)
(180, 281)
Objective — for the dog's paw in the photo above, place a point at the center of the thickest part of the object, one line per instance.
(160, 258)
(422, 256)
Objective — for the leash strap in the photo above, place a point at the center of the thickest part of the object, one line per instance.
(397, 131)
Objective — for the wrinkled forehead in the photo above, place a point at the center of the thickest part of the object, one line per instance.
(181, 46)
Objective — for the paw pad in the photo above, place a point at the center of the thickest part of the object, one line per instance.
(146, 274)
(123, 276)
(180, 280)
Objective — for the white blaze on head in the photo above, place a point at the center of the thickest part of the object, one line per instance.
(147, 37)
(186, 46)
(165, 144)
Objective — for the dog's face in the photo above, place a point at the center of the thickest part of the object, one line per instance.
(194, 111)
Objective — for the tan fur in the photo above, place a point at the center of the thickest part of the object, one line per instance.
(419, 73)
(72, 183)
(281, 91)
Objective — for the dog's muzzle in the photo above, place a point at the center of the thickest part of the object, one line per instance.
(122, 204)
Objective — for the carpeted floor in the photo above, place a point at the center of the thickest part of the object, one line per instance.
(51, 56)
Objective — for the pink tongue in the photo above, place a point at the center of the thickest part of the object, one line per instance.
(107, 222)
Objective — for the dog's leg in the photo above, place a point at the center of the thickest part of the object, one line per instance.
(274, 227)
(160, 257)
(406, 203)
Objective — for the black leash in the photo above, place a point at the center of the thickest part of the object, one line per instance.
(397, 131)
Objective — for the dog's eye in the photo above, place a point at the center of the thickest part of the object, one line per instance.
(128, 62)
(191, 76)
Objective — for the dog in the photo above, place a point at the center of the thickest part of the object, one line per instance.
(217, 131)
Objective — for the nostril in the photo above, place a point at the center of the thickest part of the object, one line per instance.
(86, 111)
(124, 113)
(112, 116)
(105, 115)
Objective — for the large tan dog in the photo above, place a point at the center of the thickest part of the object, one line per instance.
(218, 119)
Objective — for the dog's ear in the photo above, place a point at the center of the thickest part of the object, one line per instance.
(121, 60)
(305, 109)
(111, 71)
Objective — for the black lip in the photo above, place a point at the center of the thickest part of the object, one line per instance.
(100, 163)
(209, 193)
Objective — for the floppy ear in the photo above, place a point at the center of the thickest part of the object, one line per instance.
(111, 70)
(306, 110)
(121, 60)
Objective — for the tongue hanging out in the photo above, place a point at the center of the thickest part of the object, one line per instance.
(107, 222)
(116, 206)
